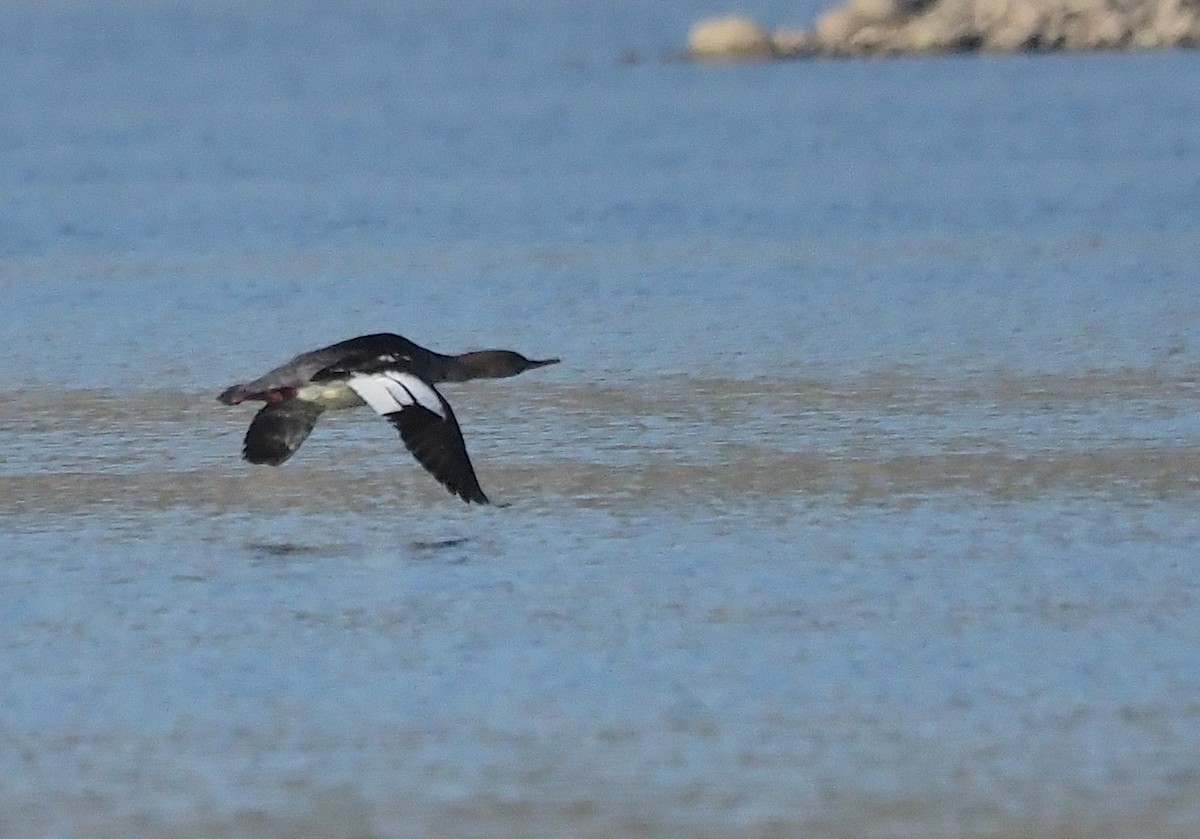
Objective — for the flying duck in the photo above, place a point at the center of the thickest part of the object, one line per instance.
(391, 374)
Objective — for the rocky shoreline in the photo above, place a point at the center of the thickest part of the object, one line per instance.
(894, 27)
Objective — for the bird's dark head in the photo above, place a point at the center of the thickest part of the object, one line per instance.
(497, 364)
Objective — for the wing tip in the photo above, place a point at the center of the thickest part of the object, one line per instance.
(268, 455)
(472, 496)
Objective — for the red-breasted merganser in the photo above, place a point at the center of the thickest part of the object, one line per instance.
(391, 374)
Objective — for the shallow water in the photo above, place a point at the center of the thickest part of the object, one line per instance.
(862, 503)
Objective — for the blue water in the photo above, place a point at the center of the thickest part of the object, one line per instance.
(862, 503)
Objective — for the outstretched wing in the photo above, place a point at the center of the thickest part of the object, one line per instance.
(278, 429)
(426, 425)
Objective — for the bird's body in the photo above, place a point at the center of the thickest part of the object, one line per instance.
(331, 396)
(392, 375)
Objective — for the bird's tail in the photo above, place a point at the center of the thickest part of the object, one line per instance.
(234, 395)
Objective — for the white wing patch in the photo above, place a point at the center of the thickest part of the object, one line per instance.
(391, 390)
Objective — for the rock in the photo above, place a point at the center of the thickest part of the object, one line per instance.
(836, 26)
(733, 37)
(794, 43)
(1014, 28)
(881, 27)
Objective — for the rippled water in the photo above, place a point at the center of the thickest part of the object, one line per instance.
(862, 504)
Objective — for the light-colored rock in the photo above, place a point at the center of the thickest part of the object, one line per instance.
(889, 11)
(1012, 27)
(835, 27)
(867, 12)
(732, 37)
(948, 26)
(794, 43)
(880, 27)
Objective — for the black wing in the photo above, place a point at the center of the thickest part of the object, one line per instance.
(278, 429)
(426, 424)
(437, 444)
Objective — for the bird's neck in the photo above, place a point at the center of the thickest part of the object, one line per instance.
(470, 365)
